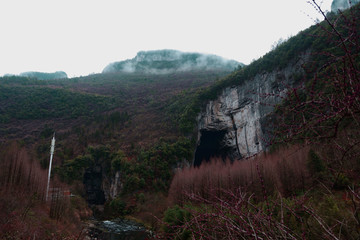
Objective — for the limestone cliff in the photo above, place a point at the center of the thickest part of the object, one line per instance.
(99, 187)
(234, 125)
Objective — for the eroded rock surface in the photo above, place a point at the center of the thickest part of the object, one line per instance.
(234, 125)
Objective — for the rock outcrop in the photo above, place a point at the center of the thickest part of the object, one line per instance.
(99, 187)
(235, 124)
(169, 61)
(342, 4)
(115, 186)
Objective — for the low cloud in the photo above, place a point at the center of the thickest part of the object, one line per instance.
(167, 61)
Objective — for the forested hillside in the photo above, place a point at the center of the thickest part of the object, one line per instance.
(126, 140)
(121, 122)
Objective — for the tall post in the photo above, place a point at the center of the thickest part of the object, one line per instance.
(52, 148)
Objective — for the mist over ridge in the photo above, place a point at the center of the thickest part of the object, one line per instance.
(44, 75)
(342, 4)
(168, 61)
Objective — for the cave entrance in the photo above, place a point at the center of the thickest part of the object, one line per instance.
(93, 185)
(211, 146)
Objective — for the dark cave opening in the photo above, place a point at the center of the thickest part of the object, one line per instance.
(93, 185)
(211, 146)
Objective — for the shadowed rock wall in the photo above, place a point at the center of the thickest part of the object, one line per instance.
(239, 113)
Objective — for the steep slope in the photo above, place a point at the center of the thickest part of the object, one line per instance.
(169, 61)
(237, 117)
(303, 98)
(97, 102)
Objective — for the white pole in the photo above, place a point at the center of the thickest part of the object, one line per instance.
(52, 148)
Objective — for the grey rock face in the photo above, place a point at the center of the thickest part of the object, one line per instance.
(342, 4)
(234, 125)
(116, 185)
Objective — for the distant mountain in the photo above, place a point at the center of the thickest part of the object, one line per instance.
(167, 61)
(342, 4)
(45, 76)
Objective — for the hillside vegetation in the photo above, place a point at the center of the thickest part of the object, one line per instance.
(119, 121)
(307, 186)
(140, 125)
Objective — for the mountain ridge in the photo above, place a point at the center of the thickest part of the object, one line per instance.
(169, 61)
(44, 75)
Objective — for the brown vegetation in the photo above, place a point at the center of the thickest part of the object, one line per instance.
(289, 194)
(284, 171)
(24, 212)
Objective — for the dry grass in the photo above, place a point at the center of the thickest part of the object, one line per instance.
(284, 171)
(24, 213)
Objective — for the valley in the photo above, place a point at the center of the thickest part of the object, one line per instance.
(190, 145)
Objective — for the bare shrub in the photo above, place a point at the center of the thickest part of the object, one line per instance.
(284, 171)
(20, 174)
(24, 213)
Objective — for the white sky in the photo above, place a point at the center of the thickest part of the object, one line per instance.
(83, 36)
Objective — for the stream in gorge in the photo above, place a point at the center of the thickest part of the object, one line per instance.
(116, 229)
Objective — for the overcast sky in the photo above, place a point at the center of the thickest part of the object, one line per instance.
(83, 36)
